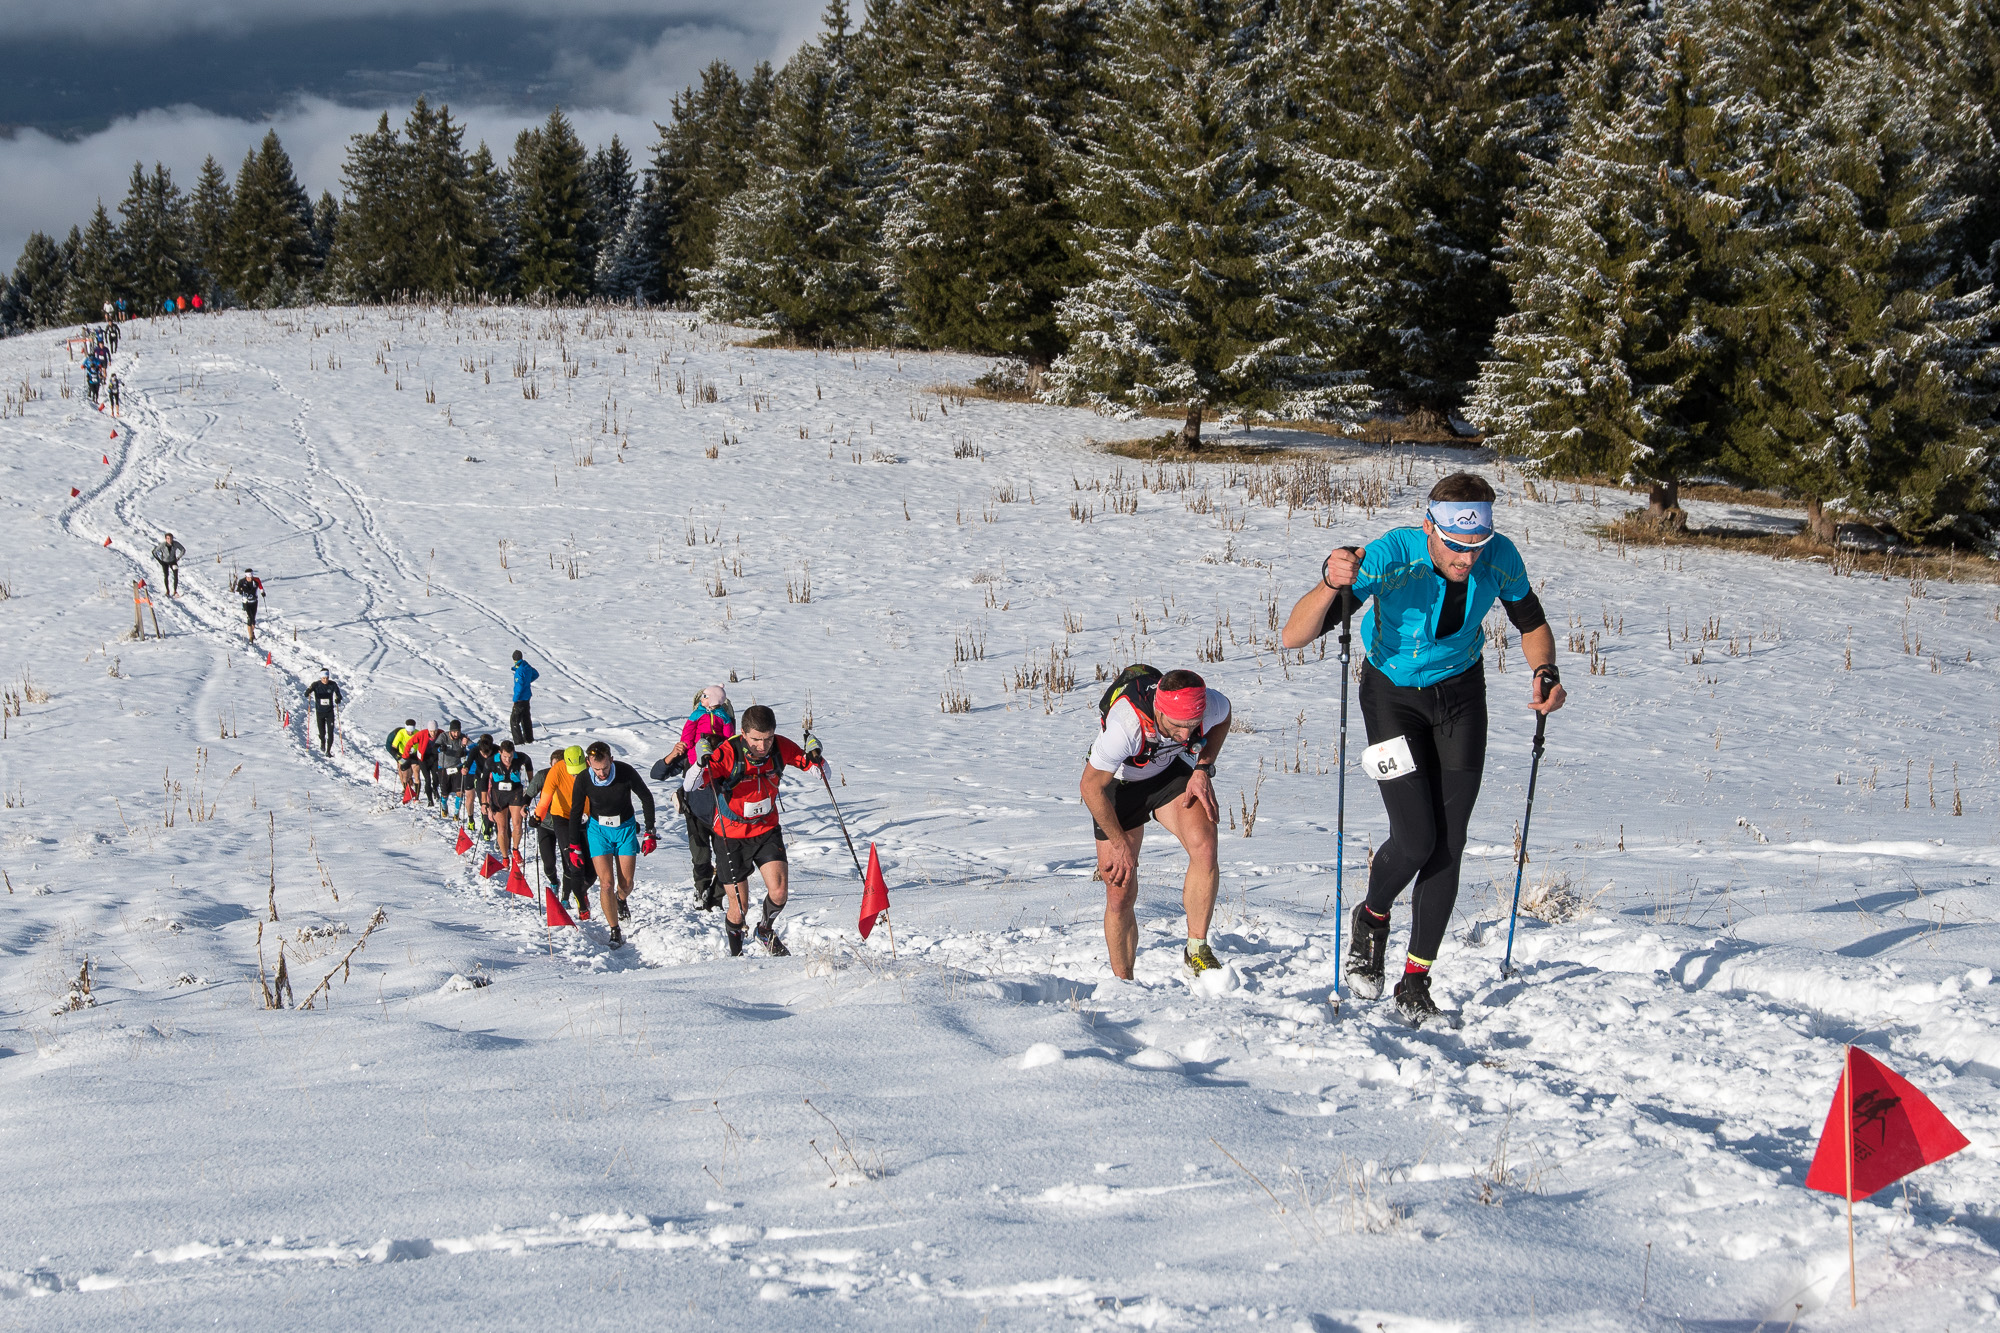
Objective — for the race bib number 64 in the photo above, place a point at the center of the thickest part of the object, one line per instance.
(1389, 760)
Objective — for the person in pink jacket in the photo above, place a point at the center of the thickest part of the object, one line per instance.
(711, 721)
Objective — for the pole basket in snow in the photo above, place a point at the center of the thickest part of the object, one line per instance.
(1521, 853)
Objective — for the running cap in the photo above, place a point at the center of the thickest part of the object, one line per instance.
(713, 697)
(1186, 704)
(454, 724)
(1466, 519)
(573, 758)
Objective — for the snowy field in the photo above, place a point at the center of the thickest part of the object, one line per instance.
(1752, 858)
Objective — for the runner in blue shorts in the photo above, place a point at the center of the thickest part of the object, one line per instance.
(600, 804)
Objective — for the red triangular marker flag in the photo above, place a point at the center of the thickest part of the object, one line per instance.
(408, 796)
(267, 656)
(107, 541)
(557, 916)
(107, 460)
(874, 893)
(288, 719)
(1896, 1129)
(491, 866)
(517, 885)
(464, 842)
(74, 492)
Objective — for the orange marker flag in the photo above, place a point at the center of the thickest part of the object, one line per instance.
(1878, 1130)
(874, 893)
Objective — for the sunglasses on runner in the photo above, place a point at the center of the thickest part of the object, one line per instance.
(1463, 548)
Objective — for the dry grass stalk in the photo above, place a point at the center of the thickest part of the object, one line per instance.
(345, 963)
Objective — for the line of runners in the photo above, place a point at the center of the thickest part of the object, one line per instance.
(1421, 592)
(593, 815)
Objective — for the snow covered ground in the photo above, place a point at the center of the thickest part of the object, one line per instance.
(1758, 856)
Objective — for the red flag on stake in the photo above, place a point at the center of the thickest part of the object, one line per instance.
(1878, 1130)
(408, 796)
(267, 655)
(517, 883)
(288, 719)
(74, 492)
(107, 460)
(464, 841)
(107, 541)
(874, 895)
(557, 916)
(378, 770)
(491, 866)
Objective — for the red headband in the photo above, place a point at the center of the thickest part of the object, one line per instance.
(1182, 705)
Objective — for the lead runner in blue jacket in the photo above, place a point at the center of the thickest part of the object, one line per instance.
(1423, 701)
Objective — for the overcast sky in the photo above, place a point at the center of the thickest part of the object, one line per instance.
(86, 92)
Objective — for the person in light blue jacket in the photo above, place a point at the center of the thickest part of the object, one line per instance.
(525, 677)
(1423, 699)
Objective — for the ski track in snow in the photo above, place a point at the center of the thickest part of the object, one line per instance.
(480, 1123)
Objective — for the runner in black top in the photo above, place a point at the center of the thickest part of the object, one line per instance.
(600, 809)
(325, 696)
(507, 795)
(250, 588)
(451, 752)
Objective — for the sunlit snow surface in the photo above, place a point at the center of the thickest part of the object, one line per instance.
(983, 1130)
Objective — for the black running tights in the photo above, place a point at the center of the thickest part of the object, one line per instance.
(1445, 725)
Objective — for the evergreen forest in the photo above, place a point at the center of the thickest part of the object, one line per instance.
(1744, 240)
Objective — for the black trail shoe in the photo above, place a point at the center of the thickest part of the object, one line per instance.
(624, 910)
(772, 944)
(617, 937)
(1366, 946)
(735, 933)
(1413, 997)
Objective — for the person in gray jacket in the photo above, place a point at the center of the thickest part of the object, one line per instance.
(168, 553)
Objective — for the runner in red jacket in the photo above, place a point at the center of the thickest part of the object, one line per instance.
(744, 772)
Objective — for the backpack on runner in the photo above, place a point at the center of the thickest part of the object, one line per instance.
(1135, 682)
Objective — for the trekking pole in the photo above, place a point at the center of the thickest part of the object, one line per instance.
(843, 825)
(1340, 817)
(1521, 855)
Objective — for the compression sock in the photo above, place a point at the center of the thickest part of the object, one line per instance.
(771, 911)
(1417, 966)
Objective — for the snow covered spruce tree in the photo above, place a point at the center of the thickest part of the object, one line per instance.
(978, 231)
(1415, 119)
(97, 274)
(38, 292)
(551, 211)
(608, 183)
(1205, 292)
(701, 159)
(270, 229)
(1622, 253)
(1862, 378)
(153, 239)
(443, 228)
(796, 250)
(208, 230)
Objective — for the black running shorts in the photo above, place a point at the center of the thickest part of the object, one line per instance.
(736, 858)
(1135, 802)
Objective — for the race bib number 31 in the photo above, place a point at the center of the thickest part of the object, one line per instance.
(755, 809)
(1391, 759)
